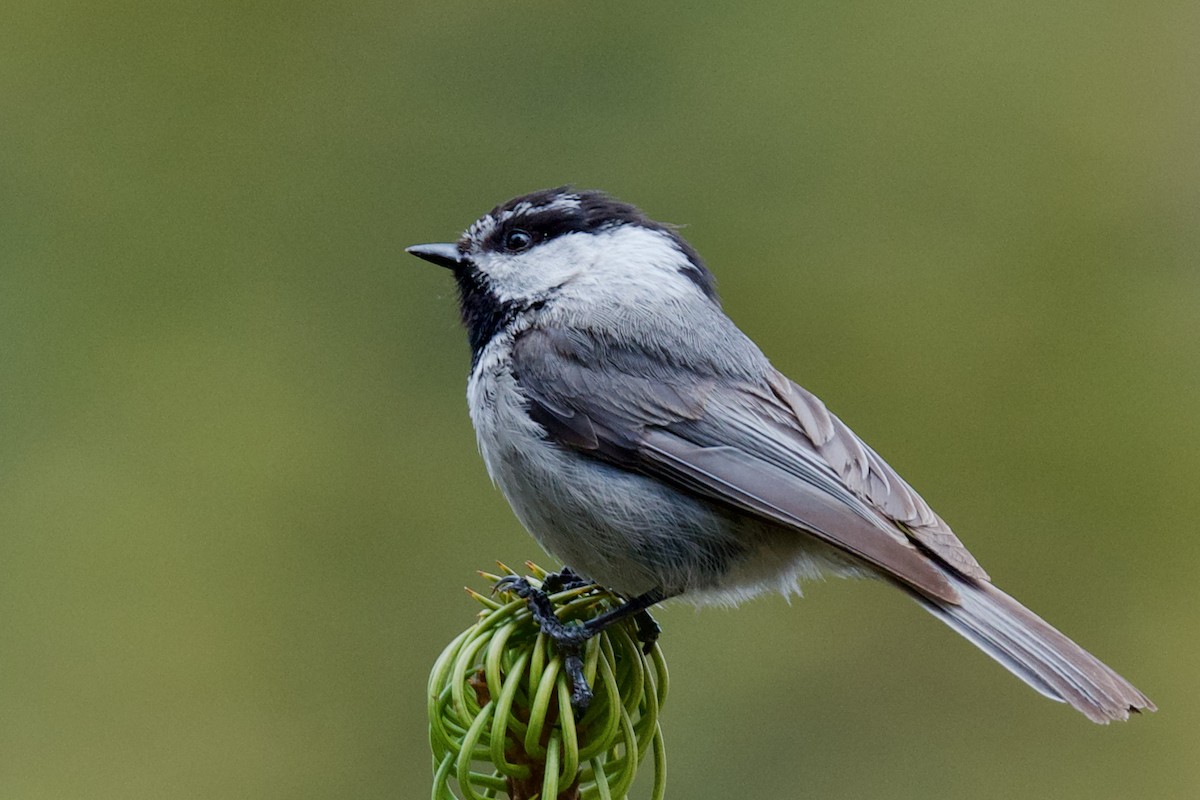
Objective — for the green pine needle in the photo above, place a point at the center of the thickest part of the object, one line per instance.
(500, 718)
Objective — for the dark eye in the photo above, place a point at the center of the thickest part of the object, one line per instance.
(517, 240)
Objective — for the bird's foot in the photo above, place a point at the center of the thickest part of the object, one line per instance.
(569, 638)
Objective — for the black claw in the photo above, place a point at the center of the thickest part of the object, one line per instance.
(648, 630)
(515, 584)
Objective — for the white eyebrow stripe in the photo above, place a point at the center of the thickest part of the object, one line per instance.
(483, 227)
(562, 203)
(566, 202)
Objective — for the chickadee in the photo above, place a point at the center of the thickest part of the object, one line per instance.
(643, 439)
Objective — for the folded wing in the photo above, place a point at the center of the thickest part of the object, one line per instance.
(733, 440)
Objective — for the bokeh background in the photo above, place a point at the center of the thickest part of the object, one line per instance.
(239, 493)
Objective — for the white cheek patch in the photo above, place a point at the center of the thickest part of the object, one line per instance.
(632, 260)
(624, 259)
(523, 277)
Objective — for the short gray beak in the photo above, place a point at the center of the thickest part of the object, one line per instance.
(443, 254)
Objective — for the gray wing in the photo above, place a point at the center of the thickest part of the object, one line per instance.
(756, 442)
(871, 479)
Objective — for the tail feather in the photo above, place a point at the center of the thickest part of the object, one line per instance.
(1038, 654)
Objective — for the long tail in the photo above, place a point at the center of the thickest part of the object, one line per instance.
(1037, 653)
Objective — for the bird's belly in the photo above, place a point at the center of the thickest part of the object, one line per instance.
(626, 531)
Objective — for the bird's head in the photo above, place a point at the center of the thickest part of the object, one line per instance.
(562, 243)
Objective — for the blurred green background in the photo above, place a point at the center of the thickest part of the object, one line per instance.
(239, 493)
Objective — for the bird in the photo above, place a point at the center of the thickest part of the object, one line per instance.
(645, 441)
